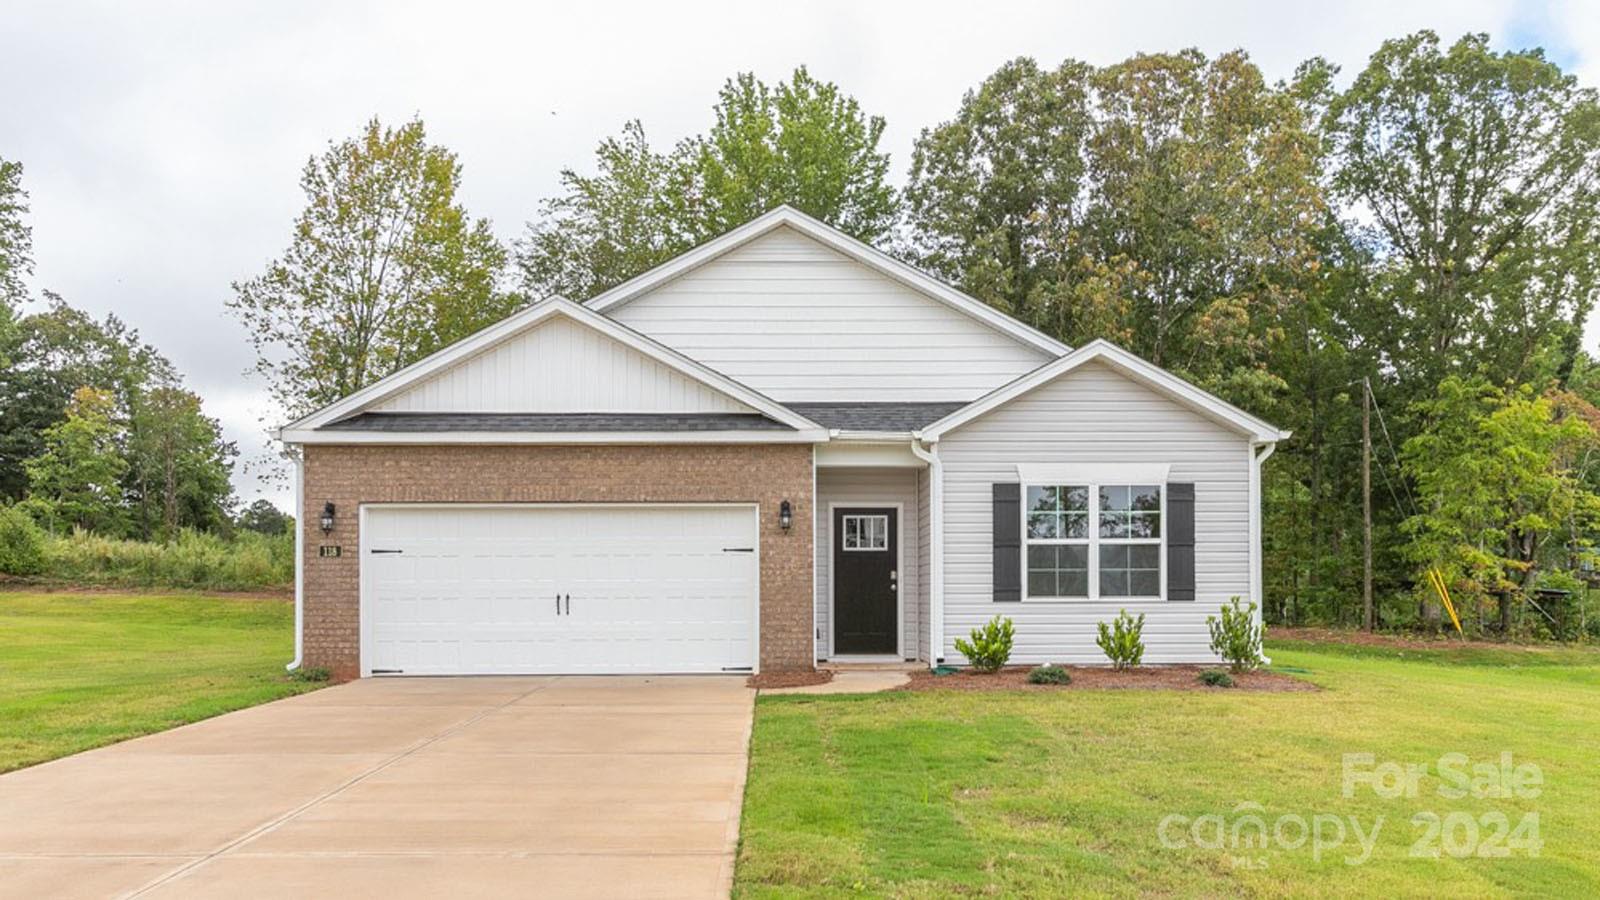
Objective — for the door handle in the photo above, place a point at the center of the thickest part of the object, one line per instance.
(558, 604)
(569, 604)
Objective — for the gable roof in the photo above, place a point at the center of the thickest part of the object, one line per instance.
(530, 317)
(1145, 373)
(836, 240)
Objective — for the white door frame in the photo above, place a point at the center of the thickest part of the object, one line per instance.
(899, 561)
(365, 622)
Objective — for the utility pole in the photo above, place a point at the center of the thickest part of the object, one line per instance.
(1366, 504)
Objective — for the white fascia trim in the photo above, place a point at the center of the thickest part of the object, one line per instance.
(1139, 370)
(304, 436)
(523, 320)
(299, 556)
(837, 240)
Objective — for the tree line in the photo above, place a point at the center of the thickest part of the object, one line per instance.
(1422, 234)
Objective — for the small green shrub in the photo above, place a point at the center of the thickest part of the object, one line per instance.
(990, 646)
(21, 543)
(1235, 636)
(314, 674)
(1216, 678)
(1123, 640)
(1050, 675)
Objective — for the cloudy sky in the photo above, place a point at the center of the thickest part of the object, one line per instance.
(162, 142)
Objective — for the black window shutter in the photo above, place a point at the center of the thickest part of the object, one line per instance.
(1007, 543)
(1180, 541)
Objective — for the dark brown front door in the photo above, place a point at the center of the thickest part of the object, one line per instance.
(866, 579)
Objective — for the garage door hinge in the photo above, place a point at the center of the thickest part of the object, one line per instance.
(738, 549)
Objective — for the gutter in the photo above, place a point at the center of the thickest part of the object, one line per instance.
(930, 455)
(299, 556)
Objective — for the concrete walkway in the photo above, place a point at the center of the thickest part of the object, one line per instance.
(392, 788)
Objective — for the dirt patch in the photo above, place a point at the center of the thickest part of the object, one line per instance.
(769, 680)
(1167, 678)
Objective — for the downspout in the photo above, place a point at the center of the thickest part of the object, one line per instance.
(930, 455)
(299, 555)
(1259, 452)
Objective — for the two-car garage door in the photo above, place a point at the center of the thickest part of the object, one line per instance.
(515, 589)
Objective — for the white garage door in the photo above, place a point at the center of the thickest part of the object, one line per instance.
(518, 589)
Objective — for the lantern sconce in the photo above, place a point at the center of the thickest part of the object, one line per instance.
(327, 517)
(785, 515)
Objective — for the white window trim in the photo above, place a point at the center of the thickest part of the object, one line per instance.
(1093, 542)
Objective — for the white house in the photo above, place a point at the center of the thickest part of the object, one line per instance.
(781, 447)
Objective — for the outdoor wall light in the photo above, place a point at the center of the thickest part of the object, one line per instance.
(327, 517)
(785, 515)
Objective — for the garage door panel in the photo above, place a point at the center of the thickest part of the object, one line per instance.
(652, 589)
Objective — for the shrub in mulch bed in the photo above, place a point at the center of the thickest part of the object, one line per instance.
(769, 680)
(1174, 678)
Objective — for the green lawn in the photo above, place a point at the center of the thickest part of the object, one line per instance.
(939, 794)
(83, 670)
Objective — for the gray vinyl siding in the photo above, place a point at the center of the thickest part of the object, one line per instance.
(799, 321)
(865, 487)
(1095, 415)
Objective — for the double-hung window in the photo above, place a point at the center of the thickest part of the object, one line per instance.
(1093, 541)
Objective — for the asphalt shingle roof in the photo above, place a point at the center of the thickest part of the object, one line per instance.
(876, 416)
(442, 422)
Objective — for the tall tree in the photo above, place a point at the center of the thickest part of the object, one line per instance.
(605, 228)
(16, 239)
(384, 268)
(52, 353)
(179, 465)
(997, 194)
(1481, 174)
(75, 482)
(803, 143)
(1500, 491)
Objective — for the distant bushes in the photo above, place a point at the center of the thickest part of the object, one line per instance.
(22, 543)
(196, 560)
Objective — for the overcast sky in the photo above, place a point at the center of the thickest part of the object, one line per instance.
(162, 142)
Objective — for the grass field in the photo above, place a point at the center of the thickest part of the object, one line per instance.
(936, 794)
(82, 670)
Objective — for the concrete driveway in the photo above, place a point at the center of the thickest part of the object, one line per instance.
(389, 788)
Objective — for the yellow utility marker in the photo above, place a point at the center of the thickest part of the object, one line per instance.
(1437, 580)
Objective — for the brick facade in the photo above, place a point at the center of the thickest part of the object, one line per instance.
(352, 475)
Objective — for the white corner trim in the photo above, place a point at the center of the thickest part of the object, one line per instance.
(837, 240)
(1146, 373)
(299, 557)
(521, 321)
(1093, 473)
(930, 455)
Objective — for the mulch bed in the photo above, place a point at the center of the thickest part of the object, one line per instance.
(768, 680)
(1168, 678)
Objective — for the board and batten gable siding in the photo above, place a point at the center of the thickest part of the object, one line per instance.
(799, 322)
(1094, 415)
(561, 366)
(870, 487)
